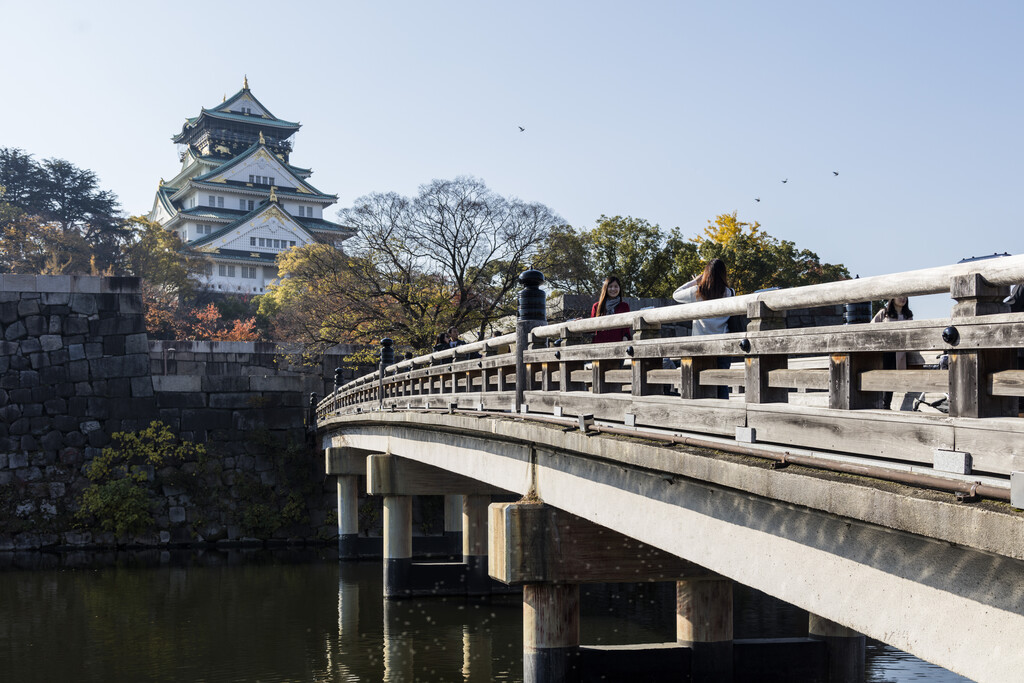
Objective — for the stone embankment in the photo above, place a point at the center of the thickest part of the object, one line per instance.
(76, 368)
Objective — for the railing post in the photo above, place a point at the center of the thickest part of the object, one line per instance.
(532, 314)
(387, 357)
(641, 366)
(758, 368)
(969, 369)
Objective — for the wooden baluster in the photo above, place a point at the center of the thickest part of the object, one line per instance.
(566, 368)
(844, 381)
(757, 368)
(969, 369)
(690, 368)
(641, 366)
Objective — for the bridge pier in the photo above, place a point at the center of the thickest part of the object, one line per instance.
(453, 521)
(846, 649)
(397, 479)
(551, 632)
(397, 545)
(704, 624)
(347, 464)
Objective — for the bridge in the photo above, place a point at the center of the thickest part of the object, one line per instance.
(580, 462)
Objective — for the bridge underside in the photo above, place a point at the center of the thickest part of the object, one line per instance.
(941, 580)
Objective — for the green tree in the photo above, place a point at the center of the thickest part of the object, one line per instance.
(68, 201)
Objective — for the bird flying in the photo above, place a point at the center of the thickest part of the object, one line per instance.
(757, 199)
(785, 181)
(521, 129)
(835, 172)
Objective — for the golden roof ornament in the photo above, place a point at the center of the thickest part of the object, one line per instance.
(273, 195)
(262, 141)
(161, 182)
(245, 82)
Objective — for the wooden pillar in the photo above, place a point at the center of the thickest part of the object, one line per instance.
(566, 368)
(969, 369)
(397, 545)
(641, 366)
(757, 368)
(845, 649)
(704, 624)
(844, 381)
(551, 633)
(689, 382)
(474, 544)
(348, 516)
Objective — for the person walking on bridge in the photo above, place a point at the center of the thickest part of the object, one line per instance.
(609, 303)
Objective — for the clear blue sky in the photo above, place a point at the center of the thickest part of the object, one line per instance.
(670, 111)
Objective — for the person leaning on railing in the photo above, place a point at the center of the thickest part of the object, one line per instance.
(610, 303)
(713, 283)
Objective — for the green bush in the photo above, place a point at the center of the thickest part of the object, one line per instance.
(120, 497)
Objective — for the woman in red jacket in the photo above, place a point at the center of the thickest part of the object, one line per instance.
(610, 303)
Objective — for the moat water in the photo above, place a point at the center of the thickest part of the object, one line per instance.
(221, 617)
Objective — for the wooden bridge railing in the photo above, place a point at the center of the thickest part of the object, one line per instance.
(630, 382)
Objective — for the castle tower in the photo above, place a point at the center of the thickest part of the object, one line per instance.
(237, 200)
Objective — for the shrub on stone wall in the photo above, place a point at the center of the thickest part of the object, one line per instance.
(124, 478)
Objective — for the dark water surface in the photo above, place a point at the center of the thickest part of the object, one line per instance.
(224, 617)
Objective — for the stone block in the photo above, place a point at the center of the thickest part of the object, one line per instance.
(76, 352)
(8, 312)
(53, 441)
(38, 360)
(224, 383)
(275, 383)
(19, 282)
(136, 343)
(51, 342)
(55, 297)
(17, 460)
(85, 304)
(56, 406)
(27, 307)
(9, 348)
(76, 325)
(194, 420)
(93, 350)
(142, 386)
(177, 383)
(1016, 489)
(58, 357)
(30, 346)
(232, 400)
(28, 378)
(118, 387)
(957, 462)
(176, 514)
(85, 284)
(35, 325)
(746, 435)
(78, 371)
(180, 400)
(53, 374)
(113, 345)
(15, 330)
(98, 408)
(98, 438)
(74, 440)
(55, 325)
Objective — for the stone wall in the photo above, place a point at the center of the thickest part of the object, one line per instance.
(76, 367)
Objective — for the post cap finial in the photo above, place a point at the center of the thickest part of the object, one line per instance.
(387, 342)
(531, 278)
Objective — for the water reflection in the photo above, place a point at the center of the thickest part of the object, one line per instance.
(300, 616)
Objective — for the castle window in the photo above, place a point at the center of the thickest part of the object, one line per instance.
(208, 269)
(249, 272)
(220, 202)
(213, 200)
(252, 179)
(292, 243)
(271, 180)
(252, 241)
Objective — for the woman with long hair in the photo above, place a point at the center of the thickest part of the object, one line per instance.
(896, 308)
(609, 303)
(713, 283)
